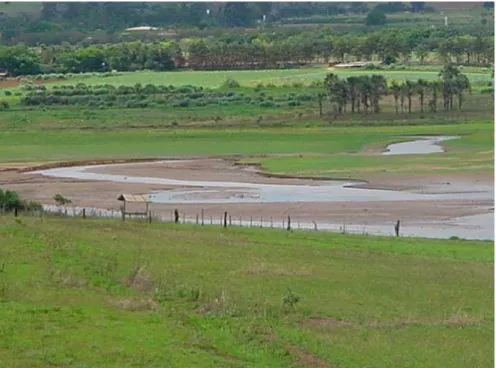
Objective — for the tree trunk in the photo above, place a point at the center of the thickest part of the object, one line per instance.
(409, 104)
(396, 104)
(421, 102)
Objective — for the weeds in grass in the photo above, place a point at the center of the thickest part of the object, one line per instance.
(289, 301)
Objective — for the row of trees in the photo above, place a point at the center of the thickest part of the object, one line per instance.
(265, 50)
(364, 93)
(118, 16)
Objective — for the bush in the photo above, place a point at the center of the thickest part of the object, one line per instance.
(8, 93)
(231, 83)
(4, 105)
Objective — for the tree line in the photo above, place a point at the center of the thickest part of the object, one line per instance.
(243, 51)
(114, 17)
(364, 93)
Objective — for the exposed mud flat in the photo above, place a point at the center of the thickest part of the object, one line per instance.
(214, 184)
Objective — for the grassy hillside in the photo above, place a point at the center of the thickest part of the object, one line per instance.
(103, 293)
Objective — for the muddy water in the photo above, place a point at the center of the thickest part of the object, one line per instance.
(418, 147)
(216, 192)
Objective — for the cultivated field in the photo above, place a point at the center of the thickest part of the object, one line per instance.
(215, 79)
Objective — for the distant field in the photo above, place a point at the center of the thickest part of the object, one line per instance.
(36, 145)
(14, 8)
(94, 293)
(214, 79)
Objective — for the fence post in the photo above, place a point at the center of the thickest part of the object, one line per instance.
(271, 223)
(314, 225)
(251, 221)
(225, 218)
(261, 222)
(202, 213)
(211, 221)
(176, 216)
(230, 220)
(197, 219)
(84, 213)
(15, 212)
(149, 217)
(289, 223)
(397, 228)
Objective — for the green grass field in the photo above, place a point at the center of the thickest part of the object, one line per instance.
(85, 293)
(215, 79)
(472, 153)
(54, 145)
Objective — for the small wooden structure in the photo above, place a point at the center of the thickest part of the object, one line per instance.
(131, 199)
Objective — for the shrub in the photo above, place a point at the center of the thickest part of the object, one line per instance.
(61, 200)
(231, 83)
(4, 105)
(8, 93)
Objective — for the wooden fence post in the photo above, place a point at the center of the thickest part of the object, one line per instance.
(197, 219)
(84, 213)
(230, 220)
(15, 211)
(225, 218)
(251, 221)
(176, 216)
(202, 213)
(289, 223)
(149, 217)
(397, 228)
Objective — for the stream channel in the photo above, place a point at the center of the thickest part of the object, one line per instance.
(216, 192)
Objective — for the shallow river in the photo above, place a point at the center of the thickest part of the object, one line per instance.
(212, 192)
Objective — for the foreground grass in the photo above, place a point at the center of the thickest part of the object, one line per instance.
(103, 293)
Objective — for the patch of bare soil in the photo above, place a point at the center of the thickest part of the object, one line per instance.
(102, 194)
(325, 323)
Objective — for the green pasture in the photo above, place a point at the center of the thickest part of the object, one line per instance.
(83, 293)
(214, 79)
(54, 145)
(472, 153)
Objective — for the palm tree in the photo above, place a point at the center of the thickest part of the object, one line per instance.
(396, 91)
(320, 97)
(409, 91)
(461, 84)
(353, 89)
(365, 89)
(379, 88)
(402, 97)
(337, 91)
(435, 87)
(421, 89)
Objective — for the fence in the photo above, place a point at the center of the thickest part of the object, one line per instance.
(225, 219)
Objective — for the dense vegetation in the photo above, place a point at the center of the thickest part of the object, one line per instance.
(366, 91)
(265, 50)
(10, 201)
(50, 18)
